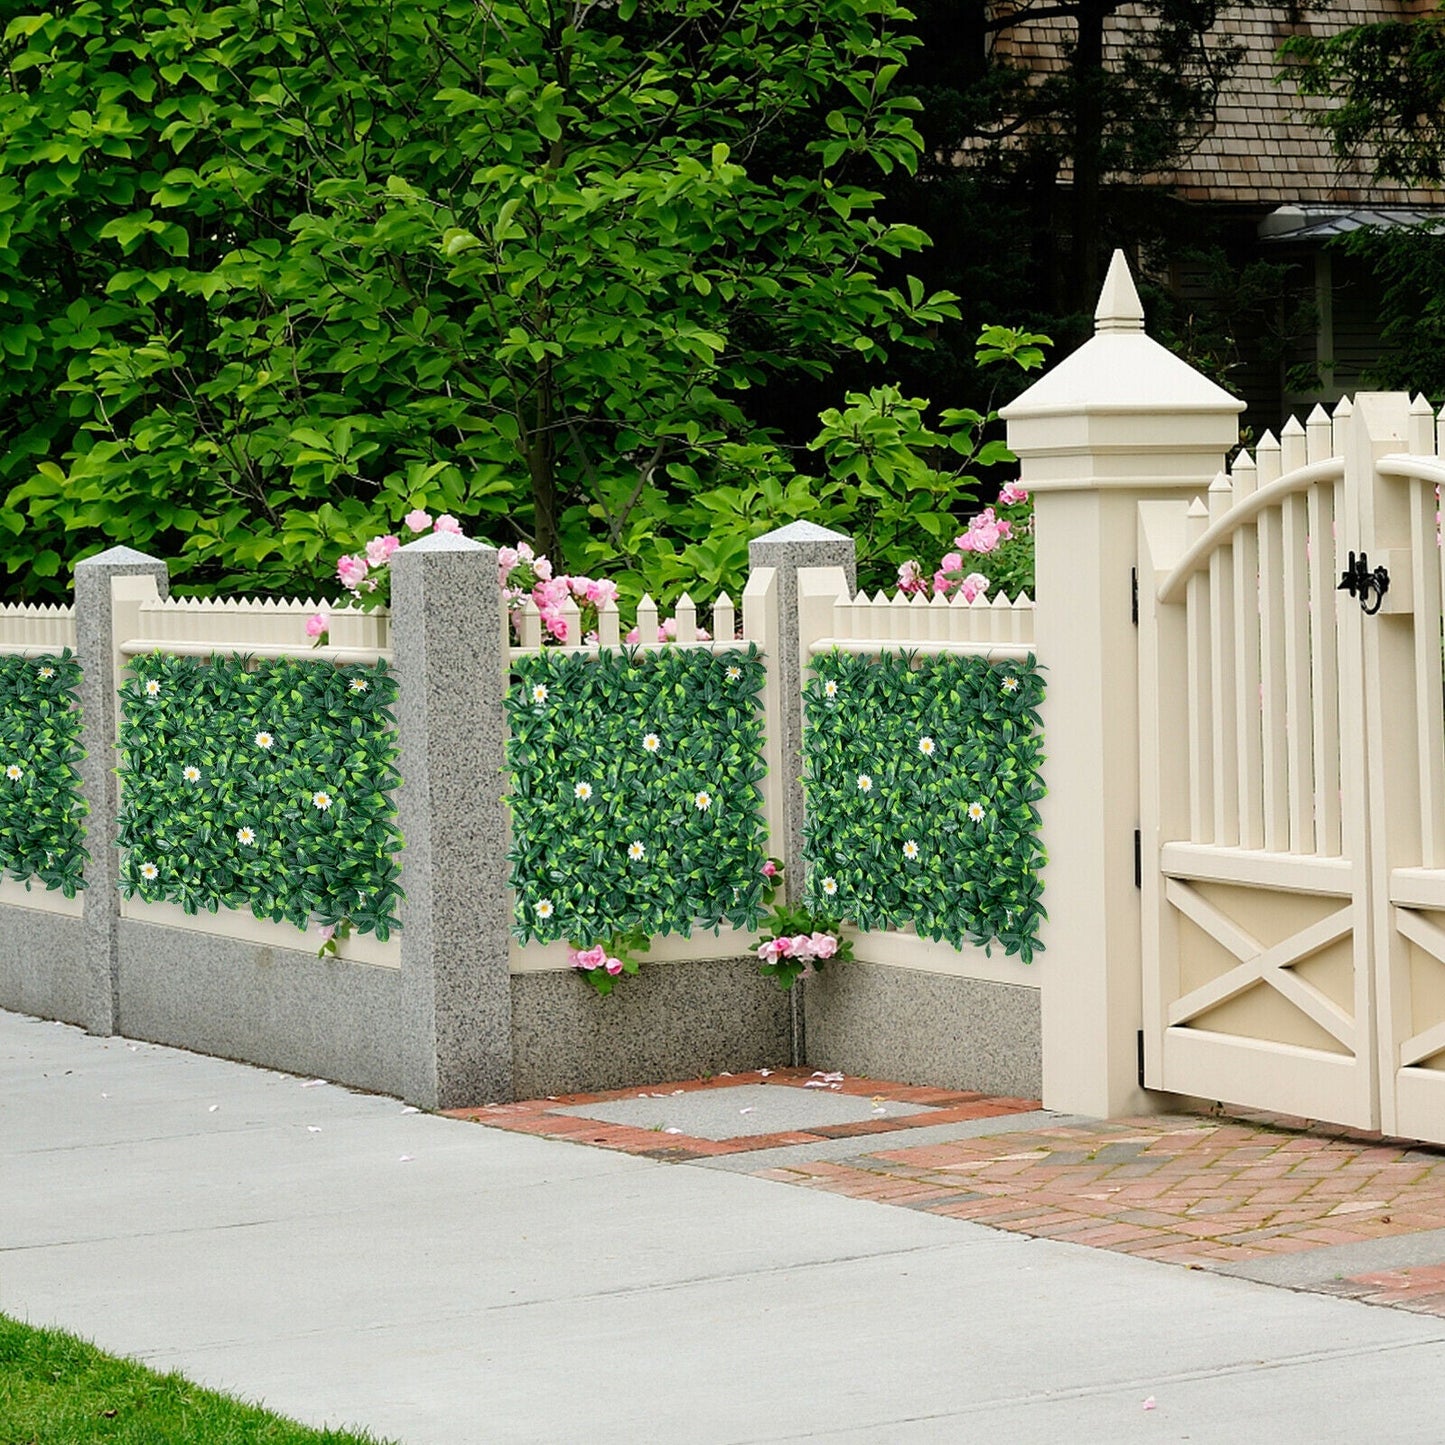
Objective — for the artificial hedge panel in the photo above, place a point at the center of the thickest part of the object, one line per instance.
(262, 785)
(921, 776)
(635, 802)
(41, 833)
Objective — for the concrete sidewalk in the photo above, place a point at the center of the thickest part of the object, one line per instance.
(346, 1261)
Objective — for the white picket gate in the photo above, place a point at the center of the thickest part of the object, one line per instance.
(1293, 776)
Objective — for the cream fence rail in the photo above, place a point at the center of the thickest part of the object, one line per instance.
(28, 630)
(269, 628)
(930, 625)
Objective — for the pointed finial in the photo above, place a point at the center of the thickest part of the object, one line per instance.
(1119, 308)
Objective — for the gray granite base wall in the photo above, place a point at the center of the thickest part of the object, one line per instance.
(42, 969)
(914, 1027)
(673, 1021)
(281, 1008)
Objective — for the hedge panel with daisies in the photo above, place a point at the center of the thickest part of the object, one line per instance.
(922, 777)
(42, 835)
(264, 786)
(635, 802)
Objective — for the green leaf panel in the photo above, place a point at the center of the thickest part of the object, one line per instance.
(264, 785)
(42, 835)
(922, 777)
(635, 803)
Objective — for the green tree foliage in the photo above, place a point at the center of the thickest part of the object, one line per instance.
(1386, 85)
(1058, 168)
(272, 270)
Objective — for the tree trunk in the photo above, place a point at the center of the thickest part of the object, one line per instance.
(1088, 91)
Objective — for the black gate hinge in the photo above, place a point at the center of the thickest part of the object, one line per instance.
(1138, 859)
(1134, 595)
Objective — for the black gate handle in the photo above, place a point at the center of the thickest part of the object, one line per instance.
(1359, 581)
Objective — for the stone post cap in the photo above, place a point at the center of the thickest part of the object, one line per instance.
(1114, 410)
(443, 542)
(120, 557)
(800, 532)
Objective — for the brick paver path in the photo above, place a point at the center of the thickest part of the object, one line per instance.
(1198, 1191)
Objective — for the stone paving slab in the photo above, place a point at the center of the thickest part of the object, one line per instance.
(742, 1111)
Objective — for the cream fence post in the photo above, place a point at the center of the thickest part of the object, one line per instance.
(1120, 421)
(109, 589)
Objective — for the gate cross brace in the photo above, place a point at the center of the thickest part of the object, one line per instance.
(1431, 938)
(1259, 964)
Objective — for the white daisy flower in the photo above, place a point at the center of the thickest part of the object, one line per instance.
(191, 773)
(14, 772)
(1010, 684)
(733, 673)
(46, 673)
(702, 801)
(153, 688)
(830, 688)
(829, 886)
(910, 849)
(246, 836)
(865, 783)
(321, 800)
(652, 742)
(927, 747)
(975, 812)
(544, 908)
(149, 872)
(539, 693)
(265, 740)
(635, 850)
(359, 684)
(582, 791)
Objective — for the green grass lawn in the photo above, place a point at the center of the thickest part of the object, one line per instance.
(58, 1390)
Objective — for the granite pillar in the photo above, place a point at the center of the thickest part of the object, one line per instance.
(96, 600)
(449, 645)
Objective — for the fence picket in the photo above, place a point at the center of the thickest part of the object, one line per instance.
(1324, 660)
(1223, 675)
(1201, 702)
(686, 618)
(1273, 721)
(1299, 755)
(724, 619)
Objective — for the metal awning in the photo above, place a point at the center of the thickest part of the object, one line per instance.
(1323, 223)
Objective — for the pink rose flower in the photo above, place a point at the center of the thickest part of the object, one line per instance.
(770, 869)
(974, 585)
(352, 571)
(326, 932)
(417, 521)
(541, 566)
(317, 623)
(824, 945)
(593, 957)
(632, 635)
(600, 594)
(1011, 495)
(910, 577)
(800, 946)
(447, 523)
(507, 558)
(379, 549)
(614, 966)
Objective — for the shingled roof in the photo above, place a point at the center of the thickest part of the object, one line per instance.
(1262, 150)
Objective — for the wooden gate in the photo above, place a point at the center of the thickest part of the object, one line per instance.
(1292, 837)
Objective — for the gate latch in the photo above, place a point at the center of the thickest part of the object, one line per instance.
(1360, 581)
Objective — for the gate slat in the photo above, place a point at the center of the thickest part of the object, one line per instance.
(1299, 734)
(1324, 662)
(1427, 579)
(1272, 680)
(1224, 675)
(1201, 702)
